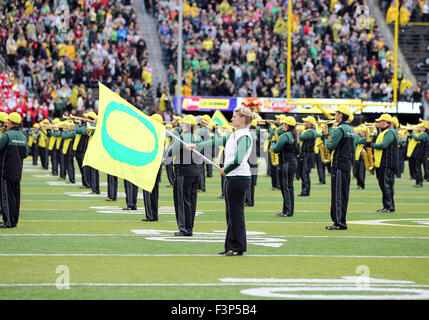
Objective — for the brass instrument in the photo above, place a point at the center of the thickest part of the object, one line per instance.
(325, 155)
(75, 118)
(274, 156)
(367, 154)
(52, 126)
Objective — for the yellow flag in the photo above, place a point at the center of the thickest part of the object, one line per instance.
(219, 118)
(126, 143)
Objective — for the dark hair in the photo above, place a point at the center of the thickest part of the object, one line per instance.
(345, 117)
(294, 134)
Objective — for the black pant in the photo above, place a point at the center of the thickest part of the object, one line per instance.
(112, 187)
(131, 191)
(320, 168)
(360, 172)
(202, 183)
(307, 162)
(250, 194)
(69, 166)
(340, 188)
(54, 161)
(386, 181)
(287, 175)
(35, 153)
(151, 200)
(418, 171)
(235, 192)
(412, 166)
(10, 200)
(79, 159)
(43, 153)
(185, 190)
(170, 173)
(426, 169)
(95, 180)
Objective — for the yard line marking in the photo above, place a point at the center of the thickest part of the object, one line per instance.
(206, 234)
(202, 255)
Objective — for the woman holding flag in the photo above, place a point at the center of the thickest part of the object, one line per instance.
(236, 170)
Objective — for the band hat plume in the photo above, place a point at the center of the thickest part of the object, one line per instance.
(127, 143)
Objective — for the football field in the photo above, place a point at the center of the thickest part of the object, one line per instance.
(71, 244)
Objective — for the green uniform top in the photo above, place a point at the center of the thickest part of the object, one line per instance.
(389, 137)
(285, 138)
(337, 135)
(310, 134)
(423, 137)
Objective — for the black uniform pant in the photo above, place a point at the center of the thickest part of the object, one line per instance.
(360, 172)
(185, 190)
(35, 153)
(386, 181)
(340, 188)
(54, 161)
(235, 192)
(112, 187)
(250, 194)
(307, 162)
(44, 160)
(150, 200)
(426, 168)
(62, 163)
(418, 171)
(202, 183)
(412, 166)
(79, 159)
(69, 166)
(95, 180)
(170, 173)
(320, 168)
(287, 175)
(131, 191)
(10, 200)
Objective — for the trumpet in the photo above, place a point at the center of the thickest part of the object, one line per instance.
(75, 118)
(52, 126)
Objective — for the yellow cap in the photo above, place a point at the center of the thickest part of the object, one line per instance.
(157, 117)
(36, 125)
(56, 120)
(179, 119)
(395, 121)
(344, 110)
(4, 117)
(92, 115)
(15, 117)
(206, 118)
(385, 117)
(190, 119)
(289, 121)
(69, 123)
(46, 121)
(281, 116)
(310, 119)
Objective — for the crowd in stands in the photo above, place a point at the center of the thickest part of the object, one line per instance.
(409, 11)
(239, 48)
(231, 48)
(59, 53)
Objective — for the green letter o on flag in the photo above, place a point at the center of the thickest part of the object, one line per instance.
(120, 152)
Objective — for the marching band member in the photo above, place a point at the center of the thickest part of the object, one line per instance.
(151, 198)
(287, 147)
(186, 177)
(67, 151)
(360, 170)
(307, 138)
(385, 161)
(341, 147)
(42, 142)
(418, 143)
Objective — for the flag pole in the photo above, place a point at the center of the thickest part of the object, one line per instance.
(193, 150)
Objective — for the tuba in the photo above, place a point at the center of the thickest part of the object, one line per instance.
(274, 156)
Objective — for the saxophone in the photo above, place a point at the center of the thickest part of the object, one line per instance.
(325, 155)
(274, 156)
(367, 154)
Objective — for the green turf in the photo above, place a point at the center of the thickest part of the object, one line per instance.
(107, 256)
